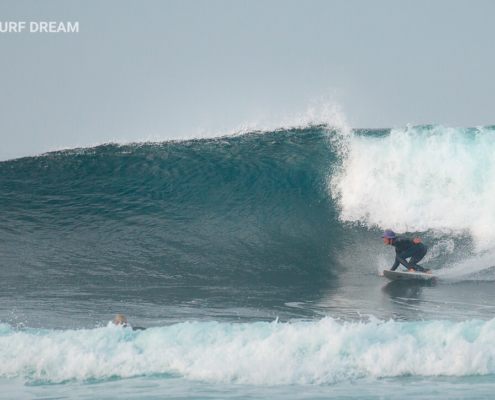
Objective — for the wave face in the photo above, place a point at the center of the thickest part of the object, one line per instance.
(221, 221)
(323, 352)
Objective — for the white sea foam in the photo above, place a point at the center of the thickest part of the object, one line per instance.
(326, 351)
(420, 178)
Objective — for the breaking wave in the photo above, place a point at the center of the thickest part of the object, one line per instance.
(322, 352)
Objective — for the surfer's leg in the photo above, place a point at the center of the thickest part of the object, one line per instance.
(415, 253)
(419, 253)
(401, 259)
(396, 264)
(414, 265)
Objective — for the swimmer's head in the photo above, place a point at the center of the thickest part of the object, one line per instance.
(120, 320)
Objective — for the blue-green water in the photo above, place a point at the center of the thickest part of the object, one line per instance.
(254, 263)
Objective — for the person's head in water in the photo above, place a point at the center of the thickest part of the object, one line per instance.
(120, 320)
(388, 236)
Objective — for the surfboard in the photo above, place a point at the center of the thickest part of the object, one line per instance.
(396, 275)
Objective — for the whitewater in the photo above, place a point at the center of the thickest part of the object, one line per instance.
(254, 262)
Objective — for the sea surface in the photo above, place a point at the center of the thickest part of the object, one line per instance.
(254, 262)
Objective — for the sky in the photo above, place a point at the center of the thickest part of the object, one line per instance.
(161, 70)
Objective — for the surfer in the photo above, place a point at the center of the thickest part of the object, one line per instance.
(406, 248)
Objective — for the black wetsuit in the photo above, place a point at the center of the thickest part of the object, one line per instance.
(405, 248)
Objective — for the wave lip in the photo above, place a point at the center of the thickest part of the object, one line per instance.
(322, 352)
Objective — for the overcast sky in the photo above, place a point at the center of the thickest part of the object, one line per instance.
(139, 70)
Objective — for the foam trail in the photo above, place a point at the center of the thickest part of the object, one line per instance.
(260, 353)
(416, 179)
(479, 267)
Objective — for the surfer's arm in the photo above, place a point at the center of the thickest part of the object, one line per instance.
(397, 261)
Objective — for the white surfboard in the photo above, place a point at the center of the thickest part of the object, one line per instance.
(396, 275)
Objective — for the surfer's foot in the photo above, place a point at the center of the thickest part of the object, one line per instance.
(412, 270)
(429, 272)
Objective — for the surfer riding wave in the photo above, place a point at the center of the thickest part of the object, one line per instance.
(406, 248)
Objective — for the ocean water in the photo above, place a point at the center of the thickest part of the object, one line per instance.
(254, 263)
